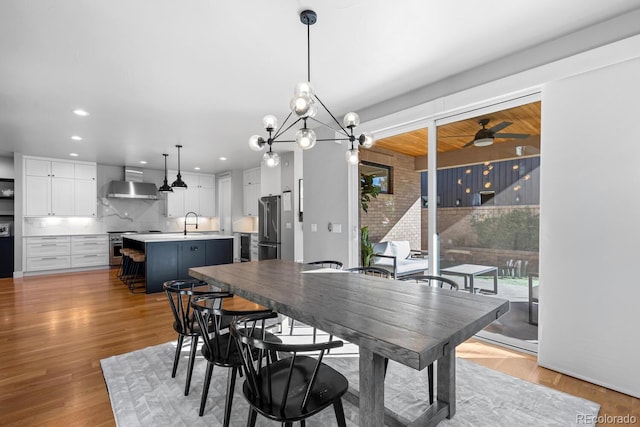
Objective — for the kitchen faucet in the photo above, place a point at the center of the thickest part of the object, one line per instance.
(185, 221)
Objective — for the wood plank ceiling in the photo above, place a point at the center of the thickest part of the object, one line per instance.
(525, 119)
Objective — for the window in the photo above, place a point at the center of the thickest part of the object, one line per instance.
(381, 175)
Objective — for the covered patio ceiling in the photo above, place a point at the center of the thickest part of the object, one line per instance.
(453, 137)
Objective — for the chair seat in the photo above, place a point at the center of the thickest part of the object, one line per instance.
(232, 358)
(329, 385)
(194, 329)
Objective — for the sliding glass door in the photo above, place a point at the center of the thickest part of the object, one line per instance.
(487, 201)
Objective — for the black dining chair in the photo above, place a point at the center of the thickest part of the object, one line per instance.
(293, 388)
(219, 347)
(337, 265)
(327, 264)
(371, 271)
(439, 281)
(180, 294)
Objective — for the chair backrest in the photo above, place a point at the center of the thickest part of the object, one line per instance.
(442, 282)
(258, 378)
(211, 316)
(371, 271)
(327, 264)
(180, 293)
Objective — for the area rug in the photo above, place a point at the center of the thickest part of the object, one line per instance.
(143, 393)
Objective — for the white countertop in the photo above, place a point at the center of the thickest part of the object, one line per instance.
(65, 235)
(173, 237)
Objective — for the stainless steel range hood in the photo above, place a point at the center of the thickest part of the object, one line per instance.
(132, 187)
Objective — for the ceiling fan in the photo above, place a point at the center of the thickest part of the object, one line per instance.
(486, 136)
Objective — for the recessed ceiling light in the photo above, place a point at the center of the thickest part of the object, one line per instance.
(74, 154)
(76, 138)
(80, 112)
(197, 168)
(143, 162)
(223, 158)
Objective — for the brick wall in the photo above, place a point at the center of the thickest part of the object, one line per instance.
(458, 239)
(395, 216)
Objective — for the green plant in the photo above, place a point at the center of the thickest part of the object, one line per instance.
(366, 247)
(367, 192)
(518, 229)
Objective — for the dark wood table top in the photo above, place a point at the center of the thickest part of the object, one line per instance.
(411, 324)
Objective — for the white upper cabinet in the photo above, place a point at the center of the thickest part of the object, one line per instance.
(270, 181)
(198, 197)
(61, 188)
(175, 203)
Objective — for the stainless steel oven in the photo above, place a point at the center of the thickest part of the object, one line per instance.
(115, 244)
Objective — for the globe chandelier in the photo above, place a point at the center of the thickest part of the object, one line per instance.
(303, 108)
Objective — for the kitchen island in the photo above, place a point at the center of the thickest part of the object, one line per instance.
(168, 256)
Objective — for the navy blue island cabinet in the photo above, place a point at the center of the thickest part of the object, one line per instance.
(170, 259)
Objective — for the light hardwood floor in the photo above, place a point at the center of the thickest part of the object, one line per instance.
(56, 328)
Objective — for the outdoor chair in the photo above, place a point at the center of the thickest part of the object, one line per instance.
(533, 296)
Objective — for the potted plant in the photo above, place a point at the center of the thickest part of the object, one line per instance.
(367, 191)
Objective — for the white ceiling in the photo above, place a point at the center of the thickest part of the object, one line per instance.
(203, 73)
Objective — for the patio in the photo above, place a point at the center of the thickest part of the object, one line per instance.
(515, 323)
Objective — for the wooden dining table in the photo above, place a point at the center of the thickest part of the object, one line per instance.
(411, 324)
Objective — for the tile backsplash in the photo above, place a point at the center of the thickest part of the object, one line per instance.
(117, 215)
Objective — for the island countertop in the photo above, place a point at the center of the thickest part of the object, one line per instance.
(169, 256)
(173, 237)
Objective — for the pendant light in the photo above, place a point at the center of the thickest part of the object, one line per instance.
(179, 183)
(165, 187)
(303, 107)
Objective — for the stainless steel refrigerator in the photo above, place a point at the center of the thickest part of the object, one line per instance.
(269, 228)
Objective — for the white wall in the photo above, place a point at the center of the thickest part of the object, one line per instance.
(288, 219)
(589, 227)
(325, 200)
(6, 167)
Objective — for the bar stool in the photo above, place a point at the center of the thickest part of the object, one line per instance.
(136, 269)
(125, 265)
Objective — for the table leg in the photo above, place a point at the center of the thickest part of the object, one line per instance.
(495, 281)
(372, 389)
(446, 383)
(470, 283)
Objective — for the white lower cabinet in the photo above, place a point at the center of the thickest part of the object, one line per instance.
(89, 251)
(254, 246)
(48, 253)
(48, 263)
(63, 252)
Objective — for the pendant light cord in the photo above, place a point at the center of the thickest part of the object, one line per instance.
(308, 53)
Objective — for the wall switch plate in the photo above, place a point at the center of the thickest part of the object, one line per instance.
(337, 228)
(288, 225)
(314, 228)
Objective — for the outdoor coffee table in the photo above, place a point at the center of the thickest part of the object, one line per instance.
(469, 271)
